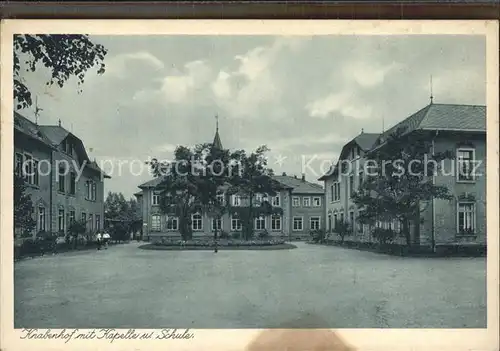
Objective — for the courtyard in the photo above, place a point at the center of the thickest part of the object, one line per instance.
(310, 286)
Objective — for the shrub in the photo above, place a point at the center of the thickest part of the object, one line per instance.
(383, 236)
(343, 229)
(236, 235)
(46, 241)
(224, 235)
(318, 235)
(264, 234)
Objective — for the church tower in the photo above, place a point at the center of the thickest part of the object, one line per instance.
(217, 143)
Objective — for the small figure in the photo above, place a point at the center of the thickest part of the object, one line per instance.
(99, 240)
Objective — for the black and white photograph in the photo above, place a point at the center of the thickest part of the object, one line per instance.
(202, 181)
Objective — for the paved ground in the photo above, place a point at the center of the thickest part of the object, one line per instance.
(311, 286)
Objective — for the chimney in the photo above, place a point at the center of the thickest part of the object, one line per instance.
(303, 177)
(284, 174)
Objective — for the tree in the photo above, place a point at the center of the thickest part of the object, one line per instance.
(75, 229)
(400, 181)
(343, 229)
(252, 177)
(64, 55)
(123, 216)
(23, 207)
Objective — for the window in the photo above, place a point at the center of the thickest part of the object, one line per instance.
(297, 224)
(90, 190)
(41, 218)
(216, 224)
(196, 222)
(156, 199)
(72, 183)
(465, 165)
(361, 179)
(235, 222)
(260, 223)
(275, 222)
(306, 201)
(335, 191)
(155, 223)
(97, 222)
(466, 218)
(18, 164)
(71, 216)
(91, 222)
(220, 198)
(172, 223)
(296, 201)
(84, 219)
(35, 173)
(60, 222)
(259, 198)
(335, 219)
(314, 223)
(31, 170)
(236, 200)
(62, 178)
(351, 185)
(341, 218)
(316, 201)
(276, 200)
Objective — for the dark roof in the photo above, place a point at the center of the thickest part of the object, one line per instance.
(364, 140)
(298, 186)
(53, 136)
(442, 117)
(139, 193)
(30, 129)
(153, 183)
(56, 134)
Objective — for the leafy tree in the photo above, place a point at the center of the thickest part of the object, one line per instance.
(75, 229)
(343, 229)
(400, 180)
(65, 55)
(23, 207)
(179, 187)
(250, 177)
(123, 215)
(383, 235)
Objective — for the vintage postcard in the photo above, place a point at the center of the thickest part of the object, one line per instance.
(249, 185)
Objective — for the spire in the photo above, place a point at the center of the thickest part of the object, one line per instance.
(59, 122)
(217, 143)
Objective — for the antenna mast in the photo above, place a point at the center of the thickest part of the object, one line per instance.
(432, 96)
(37, 110)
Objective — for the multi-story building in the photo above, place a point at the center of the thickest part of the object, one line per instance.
(460, 129)
(301, 203)
(64, 184)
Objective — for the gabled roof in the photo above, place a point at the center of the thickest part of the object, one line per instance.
(56, 134)
(53, 136)
(365, 141)
(153, 183)
(30, 129)
(299, 186)
(442, 117)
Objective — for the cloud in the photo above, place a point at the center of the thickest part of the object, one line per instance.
(117, 65)
(343, 102)
(368, 74)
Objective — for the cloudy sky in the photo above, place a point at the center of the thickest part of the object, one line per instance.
(303, 97)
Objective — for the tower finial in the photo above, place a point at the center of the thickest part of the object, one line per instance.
(59, 122)
(217, 122)
(432, 96)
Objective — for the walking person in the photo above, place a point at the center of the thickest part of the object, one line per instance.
(99, 240)
(106, 237)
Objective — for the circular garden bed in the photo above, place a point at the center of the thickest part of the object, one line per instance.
(221, 245)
